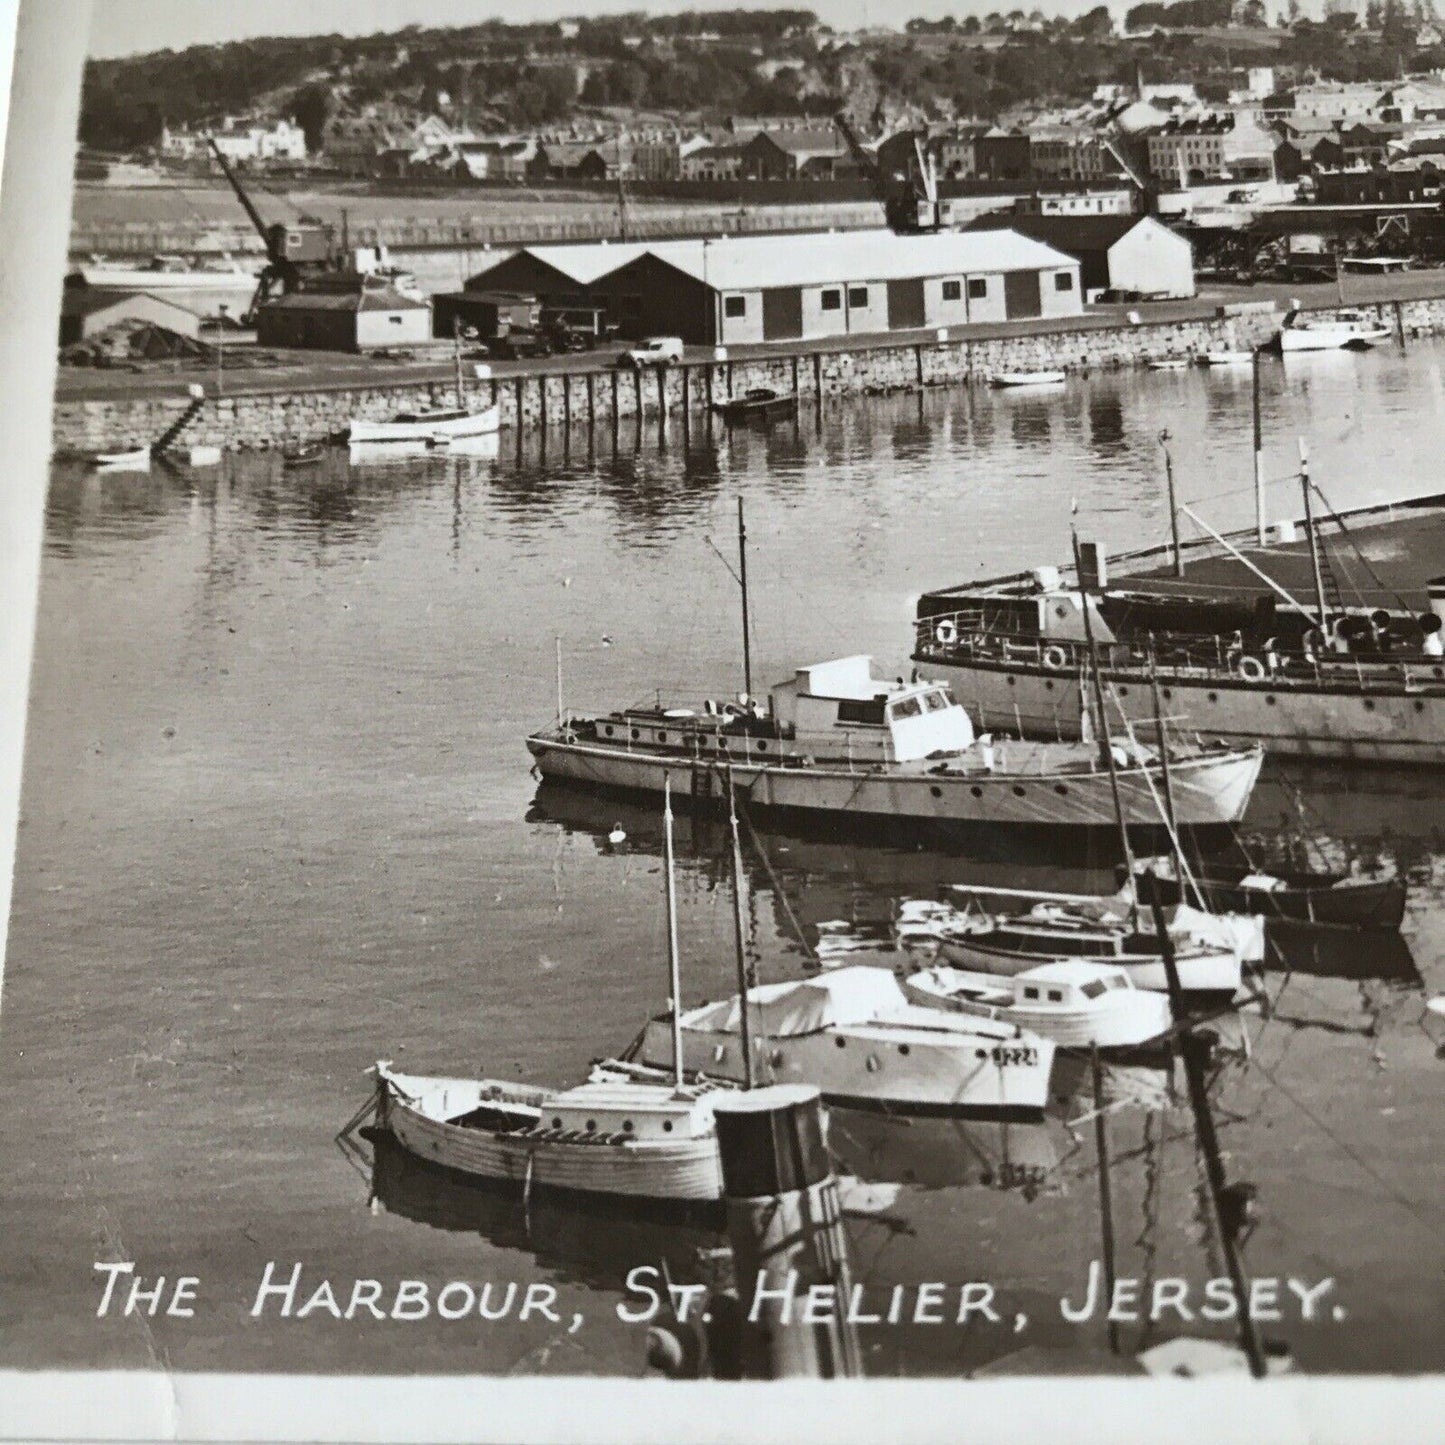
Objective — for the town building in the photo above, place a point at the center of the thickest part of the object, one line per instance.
(1003, 155)
(1135, 255)
(86, 313)
(788, 155)
(788, 288)
(741, 289)
(240, 141)
(1068, 153)
(344, 313)
(712, 163)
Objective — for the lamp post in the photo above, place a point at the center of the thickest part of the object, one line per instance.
(221, 351)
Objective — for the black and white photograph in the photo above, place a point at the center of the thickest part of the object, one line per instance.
(748, 702)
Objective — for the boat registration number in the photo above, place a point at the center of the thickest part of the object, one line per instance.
(1026, 1057)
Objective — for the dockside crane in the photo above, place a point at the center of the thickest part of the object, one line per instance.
(908, 191)
(293, 251)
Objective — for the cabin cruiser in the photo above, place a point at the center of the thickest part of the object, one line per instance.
(854, 1034)
(1071, 1001)
(1330, 331)
(836, 741)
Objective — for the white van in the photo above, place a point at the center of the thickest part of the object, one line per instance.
(653, 351)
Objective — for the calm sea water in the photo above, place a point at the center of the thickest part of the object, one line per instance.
(278, 821)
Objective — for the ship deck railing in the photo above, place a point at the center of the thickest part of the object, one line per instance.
(1205, 659)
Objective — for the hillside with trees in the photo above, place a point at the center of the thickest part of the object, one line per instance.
(710, 64)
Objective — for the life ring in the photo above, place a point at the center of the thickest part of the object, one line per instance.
(1251, 669)
(945, 633)
(1055, 657)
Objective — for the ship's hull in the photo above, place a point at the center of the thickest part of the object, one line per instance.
(882, 1066)
(476, 424)
(1328, 338)
(1206, 971)
(1119, 1019)
(1289, 720)
(417, 1111)
(1211, 791)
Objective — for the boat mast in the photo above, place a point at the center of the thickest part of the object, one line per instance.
(1176, 844)
(1304, 478)
(737, 872)
(743, 582)
(674, 972)
(1173, 505)
(1259, 522)
(561, 716)
(457, 357)
(1106, 743)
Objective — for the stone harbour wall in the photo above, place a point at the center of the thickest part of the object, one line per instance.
(262, 419)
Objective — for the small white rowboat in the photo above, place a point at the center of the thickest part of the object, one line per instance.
(1026, 378)
(1229, 358)
(436, 427)
(138, 460)
(612, 1136)
(1071, 1002)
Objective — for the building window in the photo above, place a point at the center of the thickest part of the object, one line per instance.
(735, 306)
(977, 288)
(952, 290)
(832, 300)
(857, 296)
(1063, 281)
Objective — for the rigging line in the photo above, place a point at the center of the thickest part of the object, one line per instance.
(1349, 536)
(1422, 1214)
(778, 891)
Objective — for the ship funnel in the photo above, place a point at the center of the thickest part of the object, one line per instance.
(1435, 588)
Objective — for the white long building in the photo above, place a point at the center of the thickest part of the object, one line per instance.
(740, 289)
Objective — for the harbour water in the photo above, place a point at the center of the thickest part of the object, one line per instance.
(278, 822)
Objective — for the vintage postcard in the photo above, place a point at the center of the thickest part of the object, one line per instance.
(735, 722)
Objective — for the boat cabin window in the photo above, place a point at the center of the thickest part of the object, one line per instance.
(861, 710)
(1031, 993)
(935, 701)
(1056, 995)
(908, 707)
(1094, 988)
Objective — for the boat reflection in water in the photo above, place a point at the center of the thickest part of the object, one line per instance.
(929, 1152)
(561, 1234)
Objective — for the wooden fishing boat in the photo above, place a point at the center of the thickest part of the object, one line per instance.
(1229, 358)
(1289, 898)
(1002, 379)
(854, 1035)
(1007, 944)
(304, 456)
(138, 459)
(760, 403)
(646, 1141)
(437, 425)
(838, 742)
(1072, 1002)
(1171, 363)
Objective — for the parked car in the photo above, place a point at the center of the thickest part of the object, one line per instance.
(653, 351)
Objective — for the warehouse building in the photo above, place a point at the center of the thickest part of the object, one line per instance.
(1130, 254)
(788, 288)
(559, 276)
(347, 313)
(86, 313)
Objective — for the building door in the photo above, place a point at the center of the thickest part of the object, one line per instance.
(1021, 294)
(905, 305)
(782, 313)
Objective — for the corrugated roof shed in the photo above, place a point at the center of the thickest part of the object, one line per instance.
(582, 262)
(1066, 233)
(750, 263)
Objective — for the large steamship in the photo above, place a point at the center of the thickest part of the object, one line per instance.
(1314, 647)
